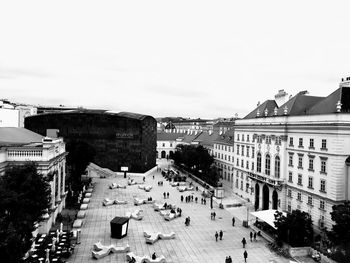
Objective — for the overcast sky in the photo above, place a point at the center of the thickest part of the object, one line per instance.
(188, 58)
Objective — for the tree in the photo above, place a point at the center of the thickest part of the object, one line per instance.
(24, 199)
(340, 233)
(296, 222)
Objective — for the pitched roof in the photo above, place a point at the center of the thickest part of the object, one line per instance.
(329, 104)
(14, 135)
(169, 136)
(298, 105)
(226, 138)
(206, 139)
(270, 105)
(188, 138)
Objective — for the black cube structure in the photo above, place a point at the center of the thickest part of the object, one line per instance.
(119, 227)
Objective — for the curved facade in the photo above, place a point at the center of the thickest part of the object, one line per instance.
(118, 139)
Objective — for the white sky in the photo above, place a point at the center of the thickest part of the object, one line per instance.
(171, 58)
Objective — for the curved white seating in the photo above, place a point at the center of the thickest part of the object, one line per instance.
(86, 200)
(100, 251)
(107, 202)
(84, 207)
(81, 214)
(88, 195)
(78, 223)
(153, 237)
(115, 185)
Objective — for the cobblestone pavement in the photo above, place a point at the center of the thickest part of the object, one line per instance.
(195, 243)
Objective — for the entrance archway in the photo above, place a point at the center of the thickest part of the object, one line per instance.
(274, 200)
(257, 193)
(266, 193)
(163, 154)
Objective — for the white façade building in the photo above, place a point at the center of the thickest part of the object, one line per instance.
(19, 145)
(293, 156)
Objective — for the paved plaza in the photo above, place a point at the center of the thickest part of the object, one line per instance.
(194, 243)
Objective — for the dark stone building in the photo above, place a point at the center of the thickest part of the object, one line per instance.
(118, 139)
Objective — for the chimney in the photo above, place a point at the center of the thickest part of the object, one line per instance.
(281, 97)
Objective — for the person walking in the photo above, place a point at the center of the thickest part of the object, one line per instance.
(164, 194)
(167, 195)
(251, 236)
(216, 236)
(221, 234)
(182, 198)
(214, 215)
(144, 179)
(244, 242)
(254, 236)
(245, 255)
(229, 259)
(211, 215)
(233, 221)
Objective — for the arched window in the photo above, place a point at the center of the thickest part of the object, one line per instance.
(258, 162)
(267, 164)
(277, 167)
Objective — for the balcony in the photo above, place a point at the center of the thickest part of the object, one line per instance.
(267, 179)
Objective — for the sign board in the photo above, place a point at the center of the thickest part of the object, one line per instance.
(124, 169)
(124, 135)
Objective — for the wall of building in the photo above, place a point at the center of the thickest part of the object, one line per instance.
(9, 118)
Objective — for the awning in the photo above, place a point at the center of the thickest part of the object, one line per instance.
(268, 216)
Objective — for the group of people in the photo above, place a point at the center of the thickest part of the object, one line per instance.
(212, 215)
(166, 195)
(188, 198)
(220, 234)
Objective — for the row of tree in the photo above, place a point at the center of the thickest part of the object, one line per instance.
(198, 161)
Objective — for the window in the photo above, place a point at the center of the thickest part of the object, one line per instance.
(171, 145)
(311, 163)
(236, 183)
(300, 161)
(242, 163)
(277, 167)
(300, 180)
(309, 200)
(311, 182)
(289, 193)
(324, 144)
(247, 165)
(163, 144)
(291, 141)
(299, 197)
(253, 152)
(237, 149)
(258, 163)
(268, 139)
(322, 204)
(225, 148)
(290, 177)
(248, 151)
(278, 140)
(311, 145)
(242, 152)
(247, 137)
(237, 137)
(290, 162)
(252, 166)
(289, 207)
(225, 157)
(323, 185)
(267, 164)
(243, 137)
(229, 158)
(237, 162)
(241, 185)
(323, 165)
(229, 148)
(300, 143)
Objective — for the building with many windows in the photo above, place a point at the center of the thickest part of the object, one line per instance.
(293, 156)
(19, 146)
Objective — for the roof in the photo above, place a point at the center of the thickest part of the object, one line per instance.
(329, 104)
(226, 138)
(188, 138)
(206, 139)
(169, 136)
(130, 115)
(298, 105)
(14, 135)
(270, 105)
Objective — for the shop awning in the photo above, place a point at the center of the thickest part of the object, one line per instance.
(268, 216)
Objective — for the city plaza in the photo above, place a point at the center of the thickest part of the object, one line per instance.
(193, 243)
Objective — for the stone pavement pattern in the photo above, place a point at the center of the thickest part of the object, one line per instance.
(195, 243)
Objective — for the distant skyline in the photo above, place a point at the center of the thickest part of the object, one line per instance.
(203, 59)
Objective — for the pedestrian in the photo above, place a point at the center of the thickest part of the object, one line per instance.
(192, 198)
(205, 201)
(233, 221)
(189, 220)
(196, 199)
(164, 194)
(251, 236)
(245, 255)
(154, 256)
(144, 179)
(216, 236)
(153, 177)
(182, 198)
(254, 236)
(227, 260)
(201, 200)
(196, 188)
(214, 215)
(211, 215)
(230, 259)
(244, 242)
(167, 194)
(221, 234)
